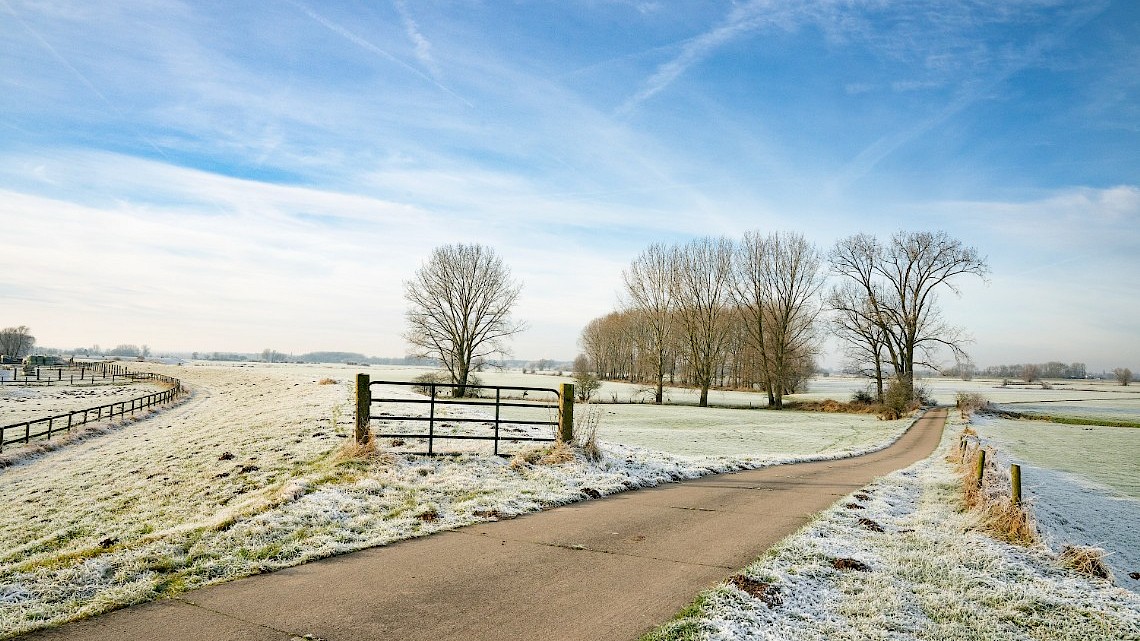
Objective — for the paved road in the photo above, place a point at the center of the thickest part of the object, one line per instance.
(605, 569)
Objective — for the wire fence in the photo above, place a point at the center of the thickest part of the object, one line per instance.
(24, 431)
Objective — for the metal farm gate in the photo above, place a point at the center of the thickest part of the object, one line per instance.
(500, 413)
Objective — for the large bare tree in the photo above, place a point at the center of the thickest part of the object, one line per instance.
(855, 324)
(704, 305)
(651, 287)
(793, 280)
(459, 310)
(16, 342)
(901, 280)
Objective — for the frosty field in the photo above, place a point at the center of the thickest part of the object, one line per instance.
(1083, 483)
(244, 478)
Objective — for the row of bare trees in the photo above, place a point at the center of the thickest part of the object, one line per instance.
(714, 312)
(747, 313)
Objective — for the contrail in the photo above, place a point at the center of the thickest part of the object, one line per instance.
(361, 42)
(82, 78)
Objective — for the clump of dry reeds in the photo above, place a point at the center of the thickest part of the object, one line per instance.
(1086, 560)
(545, 455)
(991, 497)
(351, 451)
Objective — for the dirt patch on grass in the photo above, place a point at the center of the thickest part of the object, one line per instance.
(766, 592)
(850, 564)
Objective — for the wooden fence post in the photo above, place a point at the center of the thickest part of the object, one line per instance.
(1015, 482)
(566, 412)
(981, 466)
(363, 409)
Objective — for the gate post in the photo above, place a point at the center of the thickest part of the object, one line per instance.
(566, 412)
(1015, 483)
(363, 409)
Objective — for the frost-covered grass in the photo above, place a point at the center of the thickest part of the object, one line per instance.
(1083, 483)
(246, 477)
(929, 574)
(1106, 455)
(1099, 409)
(735, 432)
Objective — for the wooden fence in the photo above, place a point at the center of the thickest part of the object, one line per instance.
(64, 375)
(25, 431)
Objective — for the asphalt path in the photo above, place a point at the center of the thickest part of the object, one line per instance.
(611, 568)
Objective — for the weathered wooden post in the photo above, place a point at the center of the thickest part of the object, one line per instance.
(363, 409)
(566, 412)
(1015, 482)
(980, 467)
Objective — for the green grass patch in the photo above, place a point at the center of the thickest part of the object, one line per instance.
(684, 626)
(1065, 420)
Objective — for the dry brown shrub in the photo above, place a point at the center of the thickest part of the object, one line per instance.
(834, 407)
(327, 381)
(1086, 560)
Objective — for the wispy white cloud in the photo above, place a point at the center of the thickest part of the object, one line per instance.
(423, 46)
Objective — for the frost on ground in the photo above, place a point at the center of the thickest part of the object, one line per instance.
(1083, 483)
(906, 564)
(245, 478)
(23, 403)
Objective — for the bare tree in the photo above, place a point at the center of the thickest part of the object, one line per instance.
(776, 287)
(460, 304)
(854, 323)
(704, 305)
(901, 280)
(1030, 373)
(1123, 375)
(585, 380)
(794, 280)
(16, 342)
(651, 285)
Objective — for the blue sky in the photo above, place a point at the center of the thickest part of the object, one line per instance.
(240, 176)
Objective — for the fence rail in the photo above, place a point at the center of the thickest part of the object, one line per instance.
(63, 423)
(55, 375)
(562, 404)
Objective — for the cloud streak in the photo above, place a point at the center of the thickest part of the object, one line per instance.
(741, 20)
(368, 46)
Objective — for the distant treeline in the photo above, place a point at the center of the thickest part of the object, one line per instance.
(1023, 371)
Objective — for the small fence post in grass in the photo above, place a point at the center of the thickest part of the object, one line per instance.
(363, 409)
(566, 412)
(1015, 483)
(980, 467)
